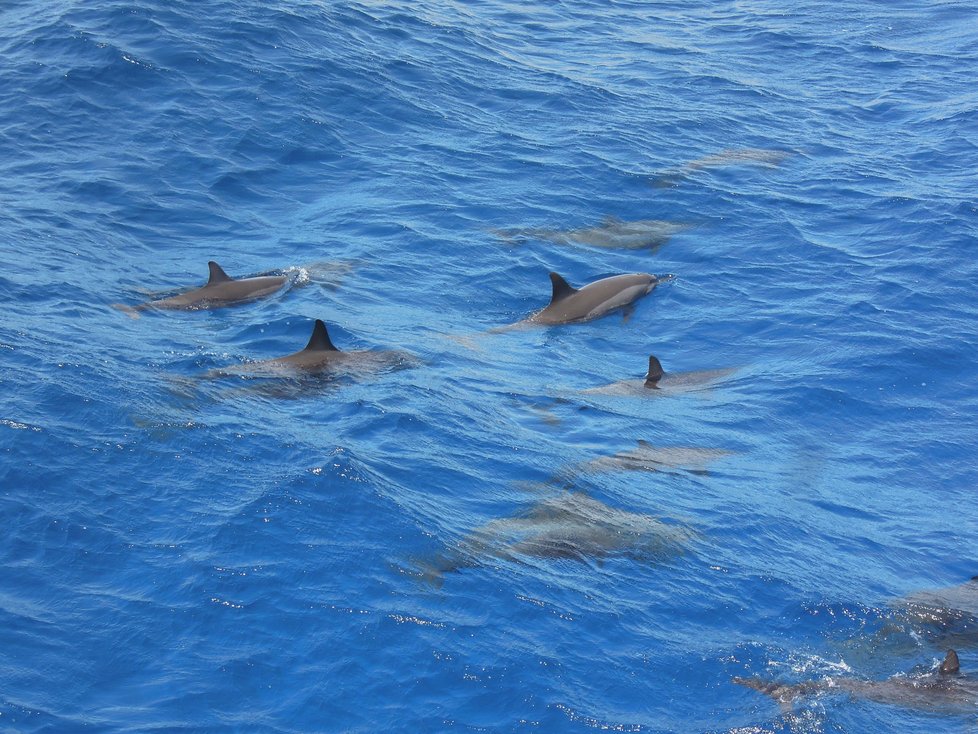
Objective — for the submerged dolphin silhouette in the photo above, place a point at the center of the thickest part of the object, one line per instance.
(596, 299)
(646, 457)
(947, 605)
(657, 381)
(220, 290)
(573, 526)
(611, 233)
(729, 157)
(944, 689)
(948, 615)
(320, 356)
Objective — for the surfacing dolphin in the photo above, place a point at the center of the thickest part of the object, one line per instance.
(572, 526)
(321, 357)
(569, 305)
(220, 290)
(612, 233)
(944, 690)
(731, 157)
(646, 457)
(657, 381)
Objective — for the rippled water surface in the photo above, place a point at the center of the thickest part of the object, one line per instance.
(440, 541)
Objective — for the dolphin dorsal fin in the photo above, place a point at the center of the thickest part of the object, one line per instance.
(217, 274)
(643, 444)
(319, 341)
(950, 666)
(562, 288)
(655, 371)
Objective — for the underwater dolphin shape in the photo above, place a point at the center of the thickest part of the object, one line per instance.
(596, 299)
(648, 457)
(612, 233)
(571, 526)
(657, 381)
(220, 290)
(730, 157)
(948, 615)
(940, 604)
(321, 356)
(944, 689)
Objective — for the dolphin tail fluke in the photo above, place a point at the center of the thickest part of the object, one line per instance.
(432, 570)
(540, 489)
(434, 577)
(509, 236)
(422, 571)
(755, 684)
(130, 311)
(469, 341)
(516, 326)
(784, 694)
(429, 574)
(667, 180)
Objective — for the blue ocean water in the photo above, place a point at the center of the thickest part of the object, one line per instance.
(217, 555)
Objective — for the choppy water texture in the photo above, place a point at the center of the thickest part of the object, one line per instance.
(191, 553)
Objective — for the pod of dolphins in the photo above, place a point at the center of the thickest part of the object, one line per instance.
(576, 526)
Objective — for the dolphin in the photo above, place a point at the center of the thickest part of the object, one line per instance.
(220, 290)
(646, 457)
(611, 233)
(729, 157)
(947, 605)
(596, 299)
(572, 526)
(948, 615)
(944, 689)
(320, 356)
(657, 381)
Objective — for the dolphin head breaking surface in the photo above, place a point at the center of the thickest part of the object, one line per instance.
(943, 689)
(220, 290)
(594, 300)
